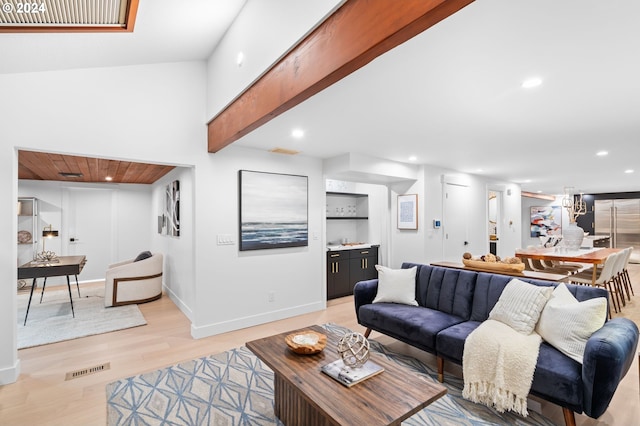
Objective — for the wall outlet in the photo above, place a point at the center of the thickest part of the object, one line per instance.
(271, 296)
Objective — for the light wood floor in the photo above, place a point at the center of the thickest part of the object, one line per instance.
(43, 397)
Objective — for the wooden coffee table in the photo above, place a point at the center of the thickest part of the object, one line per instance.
(304, 396)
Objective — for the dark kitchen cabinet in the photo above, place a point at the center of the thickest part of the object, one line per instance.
(346, 267)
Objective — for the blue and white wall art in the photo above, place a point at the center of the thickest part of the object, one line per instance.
(273, 210)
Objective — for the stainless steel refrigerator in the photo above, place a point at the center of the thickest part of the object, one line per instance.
(620, 220)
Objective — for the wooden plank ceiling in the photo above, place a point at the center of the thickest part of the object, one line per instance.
(45, 166)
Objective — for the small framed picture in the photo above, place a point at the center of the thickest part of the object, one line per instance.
(408, 211)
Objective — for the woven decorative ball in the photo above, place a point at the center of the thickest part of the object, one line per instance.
(354, 349)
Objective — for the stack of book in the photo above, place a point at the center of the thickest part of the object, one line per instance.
(350, 376)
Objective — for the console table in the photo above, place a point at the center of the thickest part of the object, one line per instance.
(61, 266)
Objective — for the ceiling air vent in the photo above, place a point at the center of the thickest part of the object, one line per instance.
(67, 15)
(70, 174)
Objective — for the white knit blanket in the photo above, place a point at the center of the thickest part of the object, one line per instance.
(498, 364)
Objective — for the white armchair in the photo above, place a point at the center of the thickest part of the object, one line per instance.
(134, 281)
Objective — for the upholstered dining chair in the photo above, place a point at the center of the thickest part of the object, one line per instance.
(136, 280)
(605, 278)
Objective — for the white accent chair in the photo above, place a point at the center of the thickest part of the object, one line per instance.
(134, 281)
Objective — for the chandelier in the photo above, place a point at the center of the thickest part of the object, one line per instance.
(574, 204)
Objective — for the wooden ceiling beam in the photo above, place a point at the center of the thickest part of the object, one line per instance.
(357, 33)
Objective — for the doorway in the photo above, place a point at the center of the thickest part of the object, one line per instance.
(494, 208)
(455, 223)
(88, 229)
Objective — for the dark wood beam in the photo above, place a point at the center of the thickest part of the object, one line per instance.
(357, 33)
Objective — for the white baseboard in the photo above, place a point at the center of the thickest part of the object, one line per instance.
(250, 321)
(11, 374)
(178, 302)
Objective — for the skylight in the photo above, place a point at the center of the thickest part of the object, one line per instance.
(67, 15)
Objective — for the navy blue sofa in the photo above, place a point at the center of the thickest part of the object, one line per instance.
(453, 302)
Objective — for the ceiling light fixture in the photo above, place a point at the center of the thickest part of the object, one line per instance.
(628, 171)
(240, 59)
(108, 178)
(413, 158)
(297, 133)
(531, 83)
(602, 153)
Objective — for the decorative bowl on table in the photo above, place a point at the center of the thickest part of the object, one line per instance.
(306, 342)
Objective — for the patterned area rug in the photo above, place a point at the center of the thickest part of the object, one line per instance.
(235, 388)
(51, 321)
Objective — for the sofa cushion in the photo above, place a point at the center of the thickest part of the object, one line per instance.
(488, 289)
(447, 290)
(396, 285)
(558, 378)
(579, 321)
(520, 305)
(450, 341)
(415, 325)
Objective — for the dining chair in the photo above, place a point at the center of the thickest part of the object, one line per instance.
(626, 279)
(538, 266)
(571, 268)
(605, 279)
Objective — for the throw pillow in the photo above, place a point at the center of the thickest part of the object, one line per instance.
(142, 256)
(396, 285)
(520, 305)
(567, 324)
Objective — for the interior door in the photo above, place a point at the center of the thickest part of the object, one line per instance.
(90, 208)
(455, 222)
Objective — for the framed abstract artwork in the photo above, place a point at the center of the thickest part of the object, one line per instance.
(408, 211)
(169, 220)
(273, 210)
(546, 221)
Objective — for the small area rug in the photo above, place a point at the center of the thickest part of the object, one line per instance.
(236, 388)
(51, 320)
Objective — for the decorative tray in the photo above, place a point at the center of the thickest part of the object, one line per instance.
(494, 266)
(306, 342)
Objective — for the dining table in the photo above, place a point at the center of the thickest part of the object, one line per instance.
(594, 256)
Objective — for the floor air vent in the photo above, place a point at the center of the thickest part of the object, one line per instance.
(86, 371)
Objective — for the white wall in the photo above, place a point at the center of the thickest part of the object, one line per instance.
(149, 113)
(129, 221)
(233, 286)
(264, 18)
(178, 252)
(425, 244)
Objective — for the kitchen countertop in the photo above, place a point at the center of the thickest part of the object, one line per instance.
(350, 246)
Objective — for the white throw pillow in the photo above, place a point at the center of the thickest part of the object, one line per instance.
(567, 324)
(396, 285)
(520, 305)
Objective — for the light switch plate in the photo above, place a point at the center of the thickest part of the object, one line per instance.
(225, 239)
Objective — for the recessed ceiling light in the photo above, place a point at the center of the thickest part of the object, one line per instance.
(413, 158)
(531, 83)
(240, 59)
(108, 178)
(629, 171)
(297, 133)
(602, 153)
